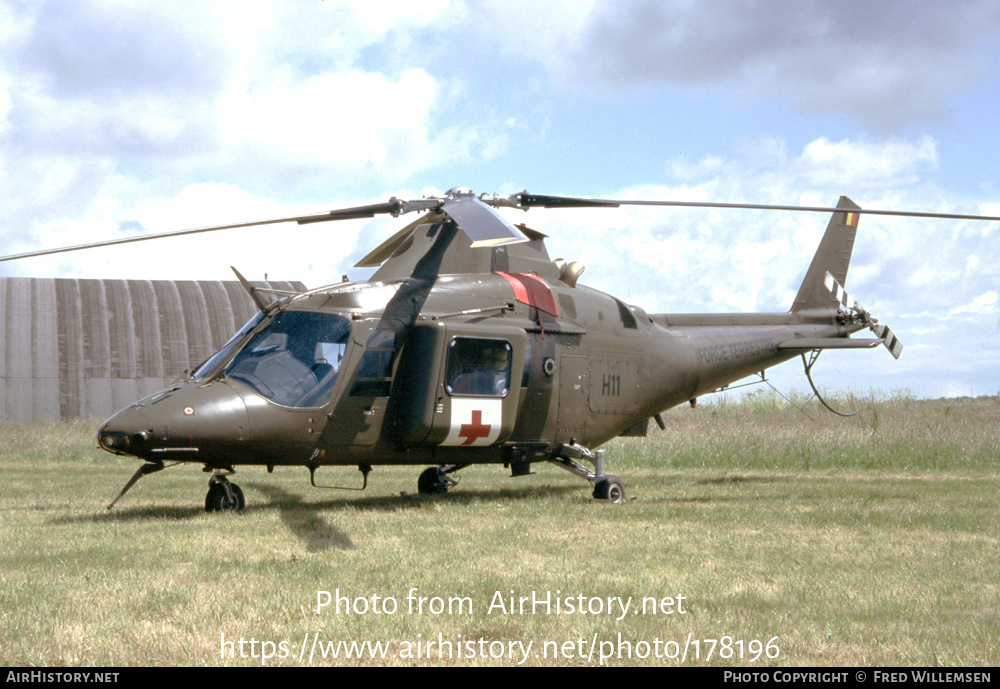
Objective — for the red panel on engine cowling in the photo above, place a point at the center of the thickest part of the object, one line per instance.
(532, 290)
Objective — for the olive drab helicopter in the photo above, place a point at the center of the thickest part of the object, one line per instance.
(469, 345)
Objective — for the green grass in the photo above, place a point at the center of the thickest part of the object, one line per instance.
(862, 541)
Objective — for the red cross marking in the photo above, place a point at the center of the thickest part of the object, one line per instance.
(475, 430)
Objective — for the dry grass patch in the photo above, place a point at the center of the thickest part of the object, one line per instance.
(854, 542)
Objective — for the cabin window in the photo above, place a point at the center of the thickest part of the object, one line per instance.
(478, 367)
(374, 376)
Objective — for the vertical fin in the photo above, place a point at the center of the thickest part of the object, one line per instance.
(833, 256)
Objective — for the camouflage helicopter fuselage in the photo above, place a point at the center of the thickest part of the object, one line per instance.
(452, 355)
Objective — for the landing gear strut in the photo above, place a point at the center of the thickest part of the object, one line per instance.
(223, 496)
(606, 486)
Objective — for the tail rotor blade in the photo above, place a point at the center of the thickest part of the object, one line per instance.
(838, 292)
(889, 339)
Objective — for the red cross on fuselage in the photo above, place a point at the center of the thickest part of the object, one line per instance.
(475, 430)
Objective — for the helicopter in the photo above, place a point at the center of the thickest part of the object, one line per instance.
(469, 345)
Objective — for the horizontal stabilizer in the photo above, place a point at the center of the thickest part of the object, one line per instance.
(810, 343)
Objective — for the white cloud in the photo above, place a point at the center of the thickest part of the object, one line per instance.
(352, 119)
(984, 303)
(117, 116)
(4, 101)
(385, 15)
(108, 107)
(914, 275)
(883, 64)
(865, 165)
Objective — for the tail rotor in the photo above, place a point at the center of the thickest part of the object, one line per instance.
(852, 313)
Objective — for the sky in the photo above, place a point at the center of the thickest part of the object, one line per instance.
(121, 118)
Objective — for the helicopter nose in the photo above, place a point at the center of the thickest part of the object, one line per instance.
(190, 423)
(125, 433)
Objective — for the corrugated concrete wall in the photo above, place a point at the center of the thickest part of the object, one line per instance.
(86, 348)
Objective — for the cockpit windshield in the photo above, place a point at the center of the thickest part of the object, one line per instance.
(295, 359)
(209, 366)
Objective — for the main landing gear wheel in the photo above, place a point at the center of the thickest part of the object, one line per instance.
(610, 488)
(606, 486)
(224, 496)
(435, 480)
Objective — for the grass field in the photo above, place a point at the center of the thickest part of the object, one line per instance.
(754, 535)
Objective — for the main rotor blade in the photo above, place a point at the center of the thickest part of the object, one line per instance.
(129, 240)
(526, 200)
(481, 222)
(393, 206)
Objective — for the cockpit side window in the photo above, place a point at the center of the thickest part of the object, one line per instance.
(478, 367)
(295, 359)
